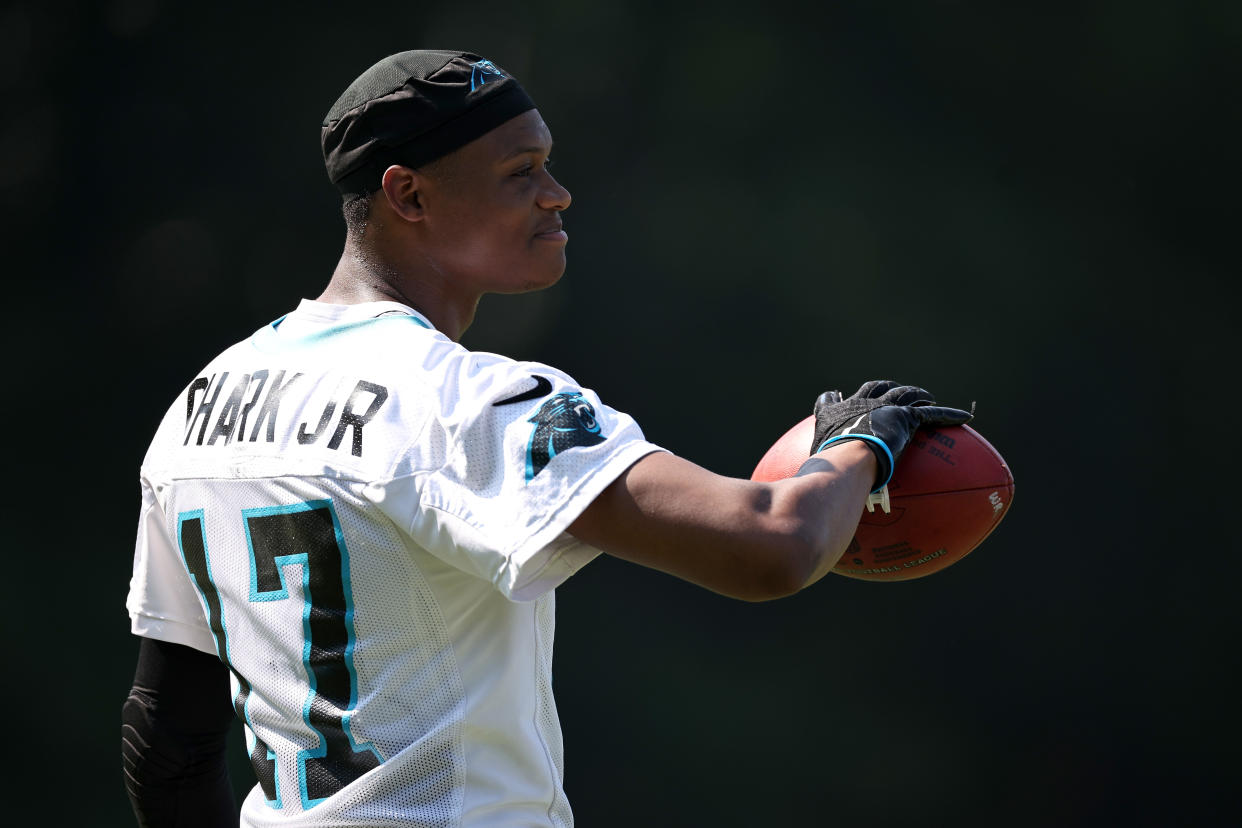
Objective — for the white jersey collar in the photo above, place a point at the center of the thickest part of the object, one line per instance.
(311, 309)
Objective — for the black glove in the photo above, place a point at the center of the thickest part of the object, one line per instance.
(884, 415)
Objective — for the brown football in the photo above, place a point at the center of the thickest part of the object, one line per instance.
(950, 489)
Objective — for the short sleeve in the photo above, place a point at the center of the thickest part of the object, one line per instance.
(517, 452)
(163, 602)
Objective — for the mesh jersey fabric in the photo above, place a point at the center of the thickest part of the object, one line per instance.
(339, 508)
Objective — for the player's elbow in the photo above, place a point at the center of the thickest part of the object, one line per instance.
(776, 583)
(794, 555)
(786, 564)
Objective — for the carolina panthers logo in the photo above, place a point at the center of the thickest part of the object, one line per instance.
(565, 420)
(483, 71)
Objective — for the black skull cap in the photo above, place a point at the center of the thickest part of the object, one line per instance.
(412, 108)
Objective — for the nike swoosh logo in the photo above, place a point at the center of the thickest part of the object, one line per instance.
(543, 387)
(850, 429)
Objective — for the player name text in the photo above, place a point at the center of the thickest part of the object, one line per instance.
(253, 402)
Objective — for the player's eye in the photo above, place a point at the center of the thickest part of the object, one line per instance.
(527, 169)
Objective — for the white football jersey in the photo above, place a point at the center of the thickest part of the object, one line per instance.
(366, 522)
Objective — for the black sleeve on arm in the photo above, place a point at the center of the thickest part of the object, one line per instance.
(174, 726)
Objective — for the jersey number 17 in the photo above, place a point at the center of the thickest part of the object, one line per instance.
(308, 534)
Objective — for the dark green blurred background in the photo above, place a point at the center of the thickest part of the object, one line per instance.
(1031, 206)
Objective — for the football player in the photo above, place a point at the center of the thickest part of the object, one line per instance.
(352, 527)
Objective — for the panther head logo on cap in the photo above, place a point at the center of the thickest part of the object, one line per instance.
(483, 71)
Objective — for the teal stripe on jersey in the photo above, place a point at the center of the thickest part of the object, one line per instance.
(270, 340)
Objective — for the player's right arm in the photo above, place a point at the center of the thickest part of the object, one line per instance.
(757, 541)
(747, 540)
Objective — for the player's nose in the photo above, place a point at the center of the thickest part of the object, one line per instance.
(552, 196)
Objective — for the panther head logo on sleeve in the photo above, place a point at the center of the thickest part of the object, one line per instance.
(565, 420)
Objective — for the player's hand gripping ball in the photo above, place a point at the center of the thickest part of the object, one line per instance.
(882, 414)
(949, 490)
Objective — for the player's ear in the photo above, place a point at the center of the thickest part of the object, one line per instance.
(401, 186)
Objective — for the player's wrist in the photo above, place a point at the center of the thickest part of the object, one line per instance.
(855, 451)
(877, 449)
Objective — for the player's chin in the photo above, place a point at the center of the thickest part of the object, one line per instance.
(549, 268)
(542, 275)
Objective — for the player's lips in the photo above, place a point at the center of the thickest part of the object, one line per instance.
(552, 232)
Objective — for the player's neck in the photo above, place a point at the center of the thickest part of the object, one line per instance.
(366, 275)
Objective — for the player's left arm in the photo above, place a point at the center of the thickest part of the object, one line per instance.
(174, 726)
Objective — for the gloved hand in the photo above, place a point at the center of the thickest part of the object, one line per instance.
(884, 415)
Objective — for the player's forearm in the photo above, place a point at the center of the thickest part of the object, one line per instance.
(753, 541)
(173, 779)
(827, 497)
(174, 728)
